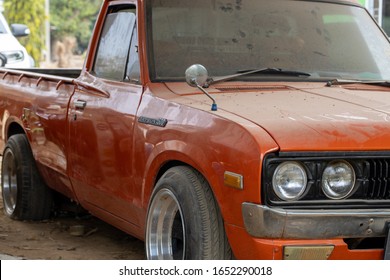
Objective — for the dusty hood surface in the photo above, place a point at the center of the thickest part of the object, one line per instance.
(310, 116)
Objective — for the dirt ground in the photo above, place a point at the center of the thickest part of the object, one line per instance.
(69, 236)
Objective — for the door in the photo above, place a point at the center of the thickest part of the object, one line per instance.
(102, 116)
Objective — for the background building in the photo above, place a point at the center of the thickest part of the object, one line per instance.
(380, 9)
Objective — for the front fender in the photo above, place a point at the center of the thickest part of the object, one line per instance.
(222, 150)
(212, 142)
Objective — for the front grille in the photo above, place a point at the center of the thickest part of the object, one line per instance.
(378, 178)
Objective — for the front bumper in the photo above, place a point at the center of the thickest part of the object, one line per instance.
(276, 223)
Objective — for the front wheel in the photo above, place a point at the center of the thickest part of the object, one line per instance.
(183, 220)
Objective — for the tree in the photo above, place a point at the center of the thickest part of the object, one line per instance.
(31, 13)
(74, 18)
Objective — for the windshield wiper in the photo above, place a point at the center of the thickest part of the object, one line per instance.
(265, 71)
(336, 82)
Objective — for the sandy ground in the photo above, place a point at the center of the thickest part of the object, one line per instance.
(58, 238)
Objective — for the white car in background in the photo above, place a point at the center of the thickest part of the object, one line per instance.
(13, 54)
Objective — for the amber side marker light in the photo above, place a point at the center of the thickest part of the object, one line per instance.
(307, 252)
(233, 180)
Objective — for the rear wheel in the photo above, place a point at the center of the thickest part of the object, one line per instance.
(183, 220)
(25, 195)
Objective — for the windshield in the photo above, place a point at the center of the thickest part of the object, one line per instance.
(327, 40)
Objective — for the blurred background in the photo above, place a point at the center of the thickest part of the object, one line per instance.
(58, 31)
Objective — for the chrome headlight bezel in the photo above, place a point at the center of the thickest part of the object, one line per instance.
(371, 186)
(339, 171)
(289, 180)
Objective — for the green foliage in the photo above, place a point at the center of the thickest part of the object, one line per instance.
(32, 14)
(67, 17)
(75, 18)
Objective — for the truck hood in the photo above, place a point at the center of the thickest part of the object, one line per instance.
(311, 116)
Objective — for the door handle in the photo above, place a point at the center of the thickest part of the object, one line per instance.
(80, 104)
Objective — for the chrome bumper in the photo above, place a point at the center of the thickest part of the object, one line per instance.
(265, 222)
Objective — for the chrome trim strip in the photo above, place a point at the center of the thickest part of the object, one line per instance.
(265, 222)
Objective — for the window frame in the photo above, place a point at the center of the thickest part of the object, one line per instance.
(113, 9)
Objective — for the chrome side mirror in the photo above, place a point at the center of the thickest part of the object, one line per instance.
(197, 76)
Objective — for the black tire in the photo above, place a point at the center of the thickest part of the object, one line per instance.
(184, 221)
(25, 195)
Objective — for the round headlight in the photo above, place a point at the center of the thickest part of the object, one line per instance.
(289, 180)
(338, 179)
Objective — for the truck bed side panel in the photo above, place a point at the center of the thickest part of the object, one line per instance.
(38, 106)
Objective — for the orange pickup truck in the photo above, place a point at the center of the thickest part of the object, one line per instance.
(227, 129)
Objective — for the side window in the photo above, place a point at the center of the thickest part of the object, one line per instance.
(115, 45)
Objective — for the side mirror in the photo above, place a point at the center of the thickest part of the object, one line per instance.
(196, 75)
(3, 60)
(20, 30)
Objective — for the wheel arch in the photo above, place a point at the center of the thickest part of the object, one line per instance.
(162, 161)
(11, 126)
(174, 163)
(166, 166)
(14, 128)
(167, 159)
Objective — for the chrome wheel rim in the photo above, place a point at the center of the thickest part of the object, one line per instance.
(165, 231)
(9, 182)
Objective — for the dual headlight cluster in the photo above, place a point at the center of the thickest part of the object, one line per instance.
(290, 180)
